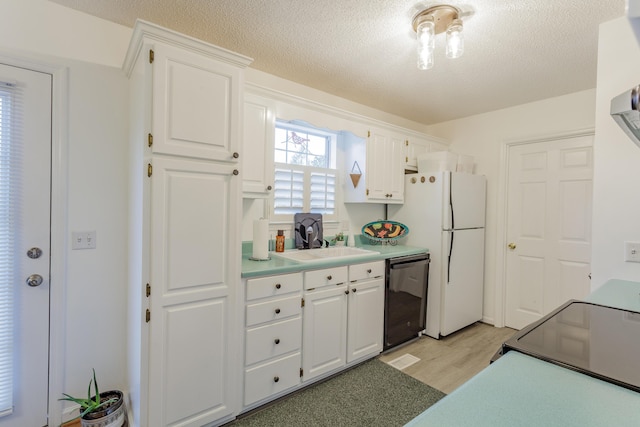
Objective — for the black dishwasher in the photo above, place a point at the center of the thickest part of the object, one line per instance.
(405, 299)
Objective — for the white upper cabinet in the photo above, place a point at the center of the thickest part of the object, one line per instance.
(415, 146)
(257, 150)
(380, 162)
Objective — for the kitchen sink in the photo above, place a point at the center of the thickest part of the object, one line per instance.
(323, 254)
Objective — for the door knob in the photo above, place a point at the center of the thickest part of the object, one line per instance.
(34, 280)
(511, 246)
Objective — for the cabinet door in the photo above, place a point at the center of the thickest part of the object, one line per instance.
(385, 168)
(395, 170)
(377, 167)
(366, 319)
(195, 271)
(413, 148)
(196, 109)
(324, 331)
(257, 149)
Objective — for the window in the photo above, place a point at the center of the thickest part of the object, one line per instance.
(305, 171)
(8, 204)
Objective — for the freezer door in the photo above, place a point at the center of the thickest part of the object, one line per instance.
(465, 199)
(462, 279)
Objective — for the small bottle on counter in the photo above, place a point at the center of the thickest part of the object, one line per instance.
(280, 241)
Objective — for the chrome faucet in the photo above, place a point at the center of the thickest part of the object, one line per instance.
(310, 237)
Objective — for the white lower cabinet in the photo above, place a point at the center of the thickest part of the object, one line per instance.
(273, 336)
(291, 340)
(343, 321)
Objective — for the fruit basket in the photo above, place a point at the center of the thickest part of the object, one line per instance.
(379, 232)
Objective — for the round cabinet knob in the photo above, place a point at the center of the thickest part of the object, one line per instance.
(269, 188)
(236, 155)
(511, 246)
(276, 379)
(329, 277)
(354, 290)
(346, 292)
(236, 171)
(278, 285)
(277, 341)
(277, 311)
(368, 271)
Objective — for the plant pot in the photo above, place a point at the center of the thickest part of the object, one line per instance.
(114, 415)
(339, 242)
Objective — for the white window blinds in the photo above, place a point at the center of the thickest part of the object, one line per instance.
(10, 154)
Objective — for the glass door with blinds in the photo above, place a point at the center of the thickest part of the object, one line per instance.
(25, 180)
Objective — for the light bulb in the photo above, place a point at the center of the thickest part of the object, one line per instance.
(425, 35)
(455, 40)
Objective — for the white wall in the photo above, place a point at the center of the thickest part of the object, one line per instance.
(616, 197)
(484, 136)
(94, 295)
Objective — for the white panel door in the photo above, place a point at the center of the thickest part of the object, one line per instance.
(196, 103)
(30, 331)
(194, 279)
(324, 331)
(463, 279)
(548, 227)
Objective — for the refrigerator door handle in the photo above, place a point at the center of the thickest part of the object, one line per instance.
(453, 225)
(449, 258)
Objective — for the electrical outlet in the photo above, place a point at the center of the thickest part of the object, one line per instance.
(83, 240)
(632, 251)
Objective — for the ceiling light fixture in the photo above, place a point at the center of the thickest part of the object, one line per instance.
(435, 20)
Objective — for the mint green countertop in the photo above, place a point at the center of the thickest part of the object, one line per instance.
(522, 391)
(275, 265)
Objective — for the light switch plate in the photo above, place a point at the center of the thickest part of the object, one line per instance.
(83, 240)
(632, 251)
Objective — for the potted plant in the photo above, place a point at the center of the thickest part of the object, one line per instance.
(338, 240)
(106, 409)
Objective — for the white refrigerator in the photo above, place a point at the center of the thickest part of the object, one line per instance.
(445, 212)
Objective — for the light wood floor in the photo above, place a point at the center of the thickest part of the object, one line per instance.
(450, 361)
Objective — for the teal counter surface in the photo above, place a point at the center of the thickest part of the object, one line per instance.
(275, 265)
(522, 391)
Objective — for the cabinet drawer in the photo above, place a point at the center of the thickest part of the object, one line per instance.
(367, 270)
(263, 287)
(328, 276)
(275, 339)
(271, 378)
(273, 310)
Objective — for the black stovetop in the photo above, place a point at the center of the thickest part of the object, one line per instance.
(600, 341)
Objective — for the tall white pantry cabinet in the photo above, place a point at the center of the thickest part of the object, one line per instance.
(185, 213)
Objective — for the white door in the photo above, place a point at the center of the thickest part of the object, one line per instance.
(27, 98)
(548, 227)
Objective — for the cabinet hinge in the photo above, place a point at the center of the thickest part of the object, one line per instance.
(302, 302)
(149, 139)
(151, 56)
(367, 191)
(406, 142)
(301, 372)
(148, 292)
(406, 159)
(147, 316)
(368, 134)
(149, 170)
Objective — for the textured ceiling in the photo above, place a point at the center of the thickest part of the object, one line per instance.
(364, 51)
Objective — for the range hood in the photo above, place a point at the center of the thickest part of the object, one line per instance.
(624, 110)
